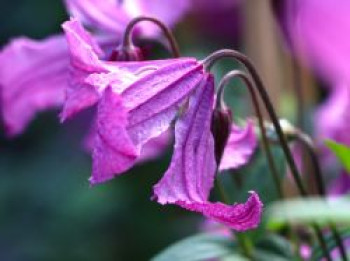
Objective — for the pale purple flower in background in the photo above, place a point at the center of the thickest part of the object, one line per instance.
(34, 73)
(190, 176)
(319, 31)
(240, 147)
(137, 101)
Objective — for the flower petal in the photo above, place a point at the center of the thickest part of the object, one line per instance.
(190, 177)
(169, 12)
(107, 16)
(113, 152)
(239, 217)
(154, 100)
(240, 147)
(33, 76)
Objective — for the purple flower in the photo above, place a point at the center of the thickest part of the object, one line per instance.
(240, 147)
(191, 173)
(319, 30)
(32, 78)
(33, 74)
(137, 101)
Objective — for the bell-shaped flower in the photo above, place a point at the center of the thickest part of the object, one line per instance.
(34, 73)
(137, 101)
(191, 173)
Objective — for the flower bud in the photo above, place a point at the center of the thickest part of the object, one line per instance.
(221, 127)
(126, 53)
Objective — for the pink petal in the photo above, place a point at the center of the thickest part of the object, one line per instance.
(113, 151)
(107, 16)
(239, 217)
(320, 30)
(155, 147)
(240, 147)
(84, 50)
(112, 17)
(154, 100)
(33, 76)
(169, 12)
(190, 177)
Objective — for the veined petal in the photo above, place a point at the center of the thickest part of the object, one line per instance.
(33, 76)
(84, 51)
(240, 147)
(190, 177)
(239, 217)
(154, 100)
(113, 152)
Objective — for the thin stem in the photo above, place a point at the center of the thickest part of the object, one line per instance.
(322, 241)
(339, 241)
(265, 144)
(209, 62)
(298, 91)
(311, 149)
(127, 37)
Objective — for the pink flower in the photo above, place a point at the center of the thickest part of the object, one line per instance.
(33, 74)
(191, 173)
(137, 101)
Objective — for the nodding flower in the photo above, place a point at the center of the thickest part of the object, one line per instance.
(140, 100)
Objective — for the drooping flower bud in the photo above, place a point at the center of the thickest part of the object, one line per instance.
(221, 128)
(126, 53)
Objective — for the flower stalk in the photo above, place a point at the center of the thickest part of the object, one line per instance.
(127, 37)
(265, 144)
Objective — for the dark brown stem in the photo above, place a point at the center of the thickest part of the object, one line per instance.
(266, 146)
(127, 37)
(210, 61)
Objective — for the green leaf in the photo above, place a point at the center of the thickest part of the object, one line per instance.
(198, 247)
(303, 211)
(342, 152)
(272, 244)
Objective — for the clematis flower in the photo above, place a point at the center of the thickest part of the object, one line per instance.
(190, 176)
(137, 101)
(34, 73)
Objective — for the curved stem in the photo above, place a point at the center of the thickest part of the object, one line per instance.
(220, 103)
(127, 37)
(210, 61)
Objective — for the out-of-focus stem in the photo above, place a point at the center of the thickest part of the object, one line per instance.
(127, 37)
(311, 149)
